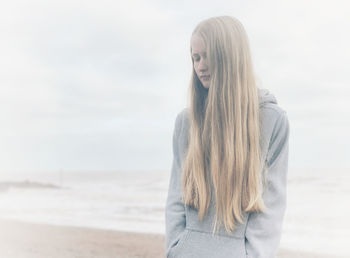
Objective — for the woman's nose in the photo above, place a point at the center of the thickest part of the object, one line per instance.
(203, 65)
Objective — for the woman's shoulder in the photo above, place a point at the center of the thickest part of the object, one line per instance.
(268, 105)
(274, 119)
(269, 108)
(182, 116)
(182, 121)
(270, 112)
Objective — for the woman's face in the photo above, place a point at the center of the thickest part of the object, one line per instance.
(199, 57)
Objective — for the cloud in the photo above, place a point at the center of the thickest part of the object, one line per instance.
(113, 74)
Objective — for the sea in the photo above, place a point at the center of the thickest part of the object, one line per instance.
(317, 217)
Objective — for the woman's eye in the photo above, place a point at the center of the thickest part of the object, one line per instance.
(196, 58)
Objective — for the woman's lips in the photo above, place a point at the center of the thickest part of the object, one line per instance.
(205, 77)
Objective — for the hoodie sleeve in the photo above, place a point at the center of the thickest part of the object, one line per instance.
(263, 230)
(175, 218)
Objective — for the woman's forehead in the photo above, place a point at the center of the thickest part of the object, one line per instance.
(197, 45)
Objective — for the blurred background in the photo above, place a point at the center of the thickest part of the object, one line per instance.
(89, 92)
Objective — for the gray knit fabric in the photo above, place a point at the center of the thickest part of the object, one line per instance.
(259, 235)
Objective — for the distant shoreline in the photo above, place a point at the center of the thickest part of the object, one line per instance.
(31, 240)
(6, 185)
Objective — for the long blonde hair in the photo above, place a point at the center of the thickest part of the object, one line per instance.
(224, 134)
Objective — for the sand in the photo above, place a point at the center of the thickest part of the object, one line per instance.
(30, 240)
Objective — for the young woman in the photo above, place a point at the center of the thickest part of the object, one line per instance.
(227, 190)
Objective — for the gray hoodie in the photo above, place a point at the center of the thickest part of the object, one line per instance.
(259, 235)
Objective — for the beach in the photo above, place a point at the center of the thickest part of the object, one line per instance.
(122, 215)
(31, 240)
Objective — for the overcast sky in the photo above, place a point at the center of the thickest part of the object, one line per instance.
(96, 85)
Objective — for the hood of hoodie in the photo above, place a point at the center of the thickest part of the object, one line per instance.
(265, 97)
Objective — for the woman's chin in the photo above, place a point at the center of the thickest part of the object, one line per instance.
(205, 85)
